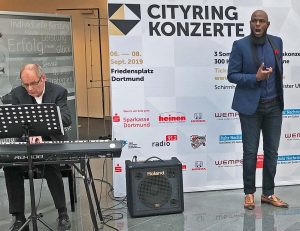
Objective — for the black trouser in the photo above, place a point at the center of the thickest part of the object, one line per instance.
(267, 119)
(14, 179)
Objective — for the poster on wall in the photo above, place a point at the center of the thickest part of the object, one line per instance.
(170, 93)
(45, 39)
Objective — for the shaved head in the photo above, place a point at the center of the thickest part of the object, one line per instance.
(259, 23)
(260, 12)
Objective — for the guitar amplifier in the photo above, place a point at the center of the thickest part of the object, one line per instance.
(154, 187)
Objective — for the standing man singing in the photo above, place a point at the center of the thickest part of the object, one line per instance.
(256, 67)
(35, 90)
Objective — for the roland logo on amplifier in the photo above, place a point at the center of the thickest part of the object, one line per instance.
(25, 157)
(156, 173)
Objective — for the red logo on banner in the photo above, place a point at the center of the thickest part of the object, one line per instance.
(116, 118)
(260, 161)
(118, 168)
(171, 137)
(184, 167)
(171, 117)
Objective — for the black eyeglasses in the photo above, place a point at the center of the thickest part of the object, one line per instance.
(32, 84)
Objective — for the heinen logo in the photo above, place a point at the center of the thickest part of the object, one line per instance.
(171, 117)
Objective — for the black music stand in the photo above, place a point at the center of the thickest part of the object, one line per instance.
(30, 120)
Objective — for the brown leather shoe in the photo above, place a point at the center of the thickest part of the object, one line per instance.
(273, 200)
(249, 202)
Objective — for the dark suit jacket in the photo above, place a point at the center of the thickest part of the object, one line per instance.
(242, 71)
(53, 94)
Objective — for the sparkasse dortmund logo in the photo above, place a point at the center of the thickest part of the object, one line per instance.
(123, 17)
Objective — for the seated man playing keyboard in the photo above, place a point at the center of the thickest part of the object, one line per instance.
(35, 89)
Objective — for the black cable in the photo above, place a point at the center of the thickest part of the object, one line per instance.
(111, 216)
(103, 168)
(113, 207)
(41, 188)
(122, 200)
(108, 217)
(134, 158)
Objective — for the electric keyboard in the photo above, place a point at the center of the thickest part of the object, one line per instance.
(60, 150)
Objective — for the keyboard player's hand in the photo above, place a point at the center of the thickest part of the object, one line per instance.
(35, 139)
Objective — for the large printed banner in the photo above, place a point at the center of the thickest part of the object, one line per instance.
(171, 96)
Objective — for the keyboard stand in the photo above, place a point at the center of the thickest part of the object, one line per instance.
(97, 202)
(85, 171)
(88, 178)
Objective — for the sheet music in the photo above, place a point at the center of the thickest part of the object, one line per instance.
(41, 119)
